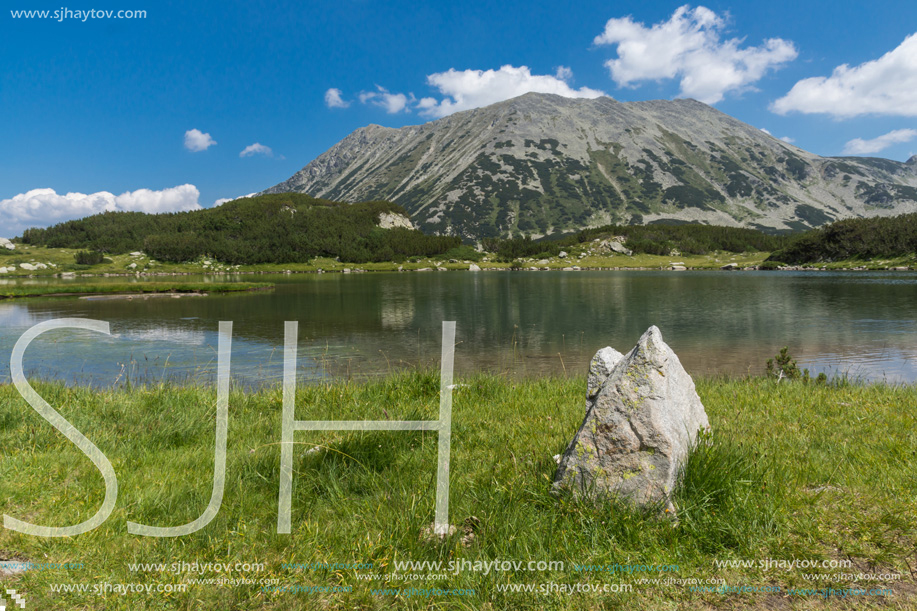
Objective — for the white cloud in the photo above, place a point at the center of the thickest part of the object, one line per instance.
(786, 139)
(426, 103)
(688, 47)
(882, 86)
(858, 146)
(393, 103)
(223, 200)
(333, 99)
(44, 207)
(196, 140)
(466, 89)
(256, 149)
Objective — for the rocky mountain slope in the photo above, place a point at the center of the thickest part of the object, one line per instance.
(541, 164)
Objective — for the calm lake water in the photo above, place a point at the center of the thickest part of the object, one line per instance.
(518, 323)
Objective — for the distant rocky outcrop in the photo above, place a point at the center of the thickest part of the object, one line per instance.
(616, 245)
(642, 420)
(4, 243)
(390, 220)
(543, 164)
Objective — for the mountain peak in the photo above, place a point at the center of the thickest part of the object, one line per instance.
(543, 164)
(536, 100)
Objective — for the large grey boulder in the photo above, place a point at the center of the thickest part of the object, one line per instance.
(4, 243)
(640, 425)
(616, 246)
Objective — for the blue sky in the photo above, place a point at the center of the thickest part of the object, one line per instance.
(196, 102)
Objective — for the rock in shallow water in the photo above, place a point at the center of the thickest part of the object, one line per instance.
(641, 422)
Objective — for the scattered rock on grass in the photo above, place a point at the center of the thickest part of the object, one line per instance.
(639, 428)
(428, 534)
(470, 527)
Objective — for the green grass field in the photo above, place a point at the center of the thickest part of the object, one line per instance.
(793, 471)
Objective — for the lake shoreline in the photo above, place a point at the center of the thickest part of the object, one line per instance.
(139, 290)
(40, 262)
(492, 268)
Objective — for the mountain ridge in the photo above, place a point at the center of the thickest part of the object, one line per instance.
(542, 164)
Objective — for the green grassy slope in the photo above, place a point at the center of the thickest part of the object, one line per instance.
(793, 471)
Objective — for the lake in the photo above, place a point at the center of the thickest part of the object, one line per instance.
(518, 323)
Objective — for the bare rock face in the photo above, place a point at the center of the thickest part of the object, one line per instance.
(4, 243)
(616, 246)
(641, 422)
(390, 220)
